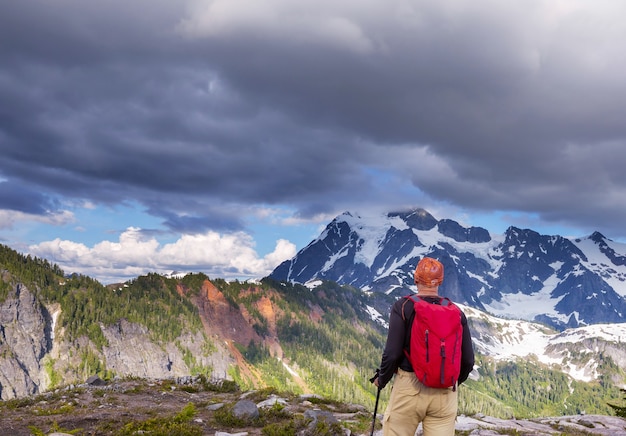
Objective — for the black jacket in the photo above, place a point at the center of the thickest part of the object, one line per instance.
(398, 340)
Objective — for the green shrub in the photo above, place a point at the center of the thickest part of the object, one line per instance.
(226, 418)
(177, 425)
(54, 429)
(280, 429)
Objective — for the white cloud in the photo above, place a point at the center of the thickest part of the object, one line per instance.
(226, 256)
(284, 250)
(8, 218)
(323, 218)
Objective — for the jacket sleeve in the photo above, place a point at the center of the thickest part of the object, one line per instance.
(467, 351)
(394, 348)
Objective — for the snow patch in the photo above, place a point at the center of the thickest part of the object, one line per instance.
(523, 339)
(312, 284)
(376, 316)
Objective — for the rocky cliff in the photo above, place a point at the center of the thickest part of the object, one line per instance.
(25, 340)
(35, 353)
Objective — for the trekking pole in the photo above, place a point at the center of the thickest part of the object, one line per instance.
(375, 410)
(372, 380)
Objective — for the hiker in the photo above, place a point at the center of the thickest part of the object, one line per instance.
(411, 401)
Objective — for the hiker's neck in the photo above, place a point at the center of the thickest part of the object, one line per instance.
(427, 291)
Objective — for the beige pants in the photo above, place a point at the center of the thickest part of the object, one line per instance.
(411, 403)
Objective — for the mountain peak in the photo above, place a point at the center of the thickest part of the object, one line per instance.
(521, 274)
(597, 237)
(416, 218)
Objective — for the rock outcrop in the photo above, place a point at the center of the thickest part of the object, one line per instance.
(35, 354)
(25, 339)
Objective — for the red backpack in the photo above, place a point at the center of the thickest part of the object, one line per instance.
(435, 344)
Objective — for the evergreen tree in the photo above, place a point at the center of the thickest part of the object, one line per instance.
(620, 410)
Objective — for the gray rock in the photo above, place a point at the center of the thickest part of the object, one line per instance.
(323, 415)
(246, 409)
(185, 380)
(94, 380)
(480, 425)
(316, 416)
(271, 401)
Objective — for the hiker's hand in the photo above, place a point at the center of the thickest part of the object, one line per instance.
(375, 378)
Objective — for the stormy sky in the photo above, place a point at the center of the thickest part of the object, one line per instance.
(193, 134)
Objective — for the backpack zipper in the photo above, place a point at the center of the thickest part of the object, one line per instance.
(443, 360)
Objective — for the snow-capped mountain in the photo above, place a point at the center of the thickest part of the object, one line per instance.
(578, 352)
(521, 274)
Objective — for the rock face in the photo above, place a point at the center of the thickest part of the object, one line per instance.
(131, 351)
(222, 318)
(25, 338)
(31, 353)
(36, 355)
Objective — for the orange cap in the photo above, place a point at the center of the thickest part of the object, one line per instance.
(429, 272)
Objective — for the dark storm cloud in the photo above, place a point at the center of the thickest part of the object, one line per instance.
(23, 199)
(199, 106)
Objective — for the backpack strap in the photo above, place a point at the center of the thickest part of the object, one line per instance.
(410, 297)
(447, 300)
(406, 299)
(408, 316)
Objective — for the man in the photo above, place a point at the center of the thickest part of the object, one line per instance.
(412, 402)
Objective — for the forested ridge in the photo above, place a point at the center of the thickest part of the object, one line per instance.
(150, 300)
(325, 335)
